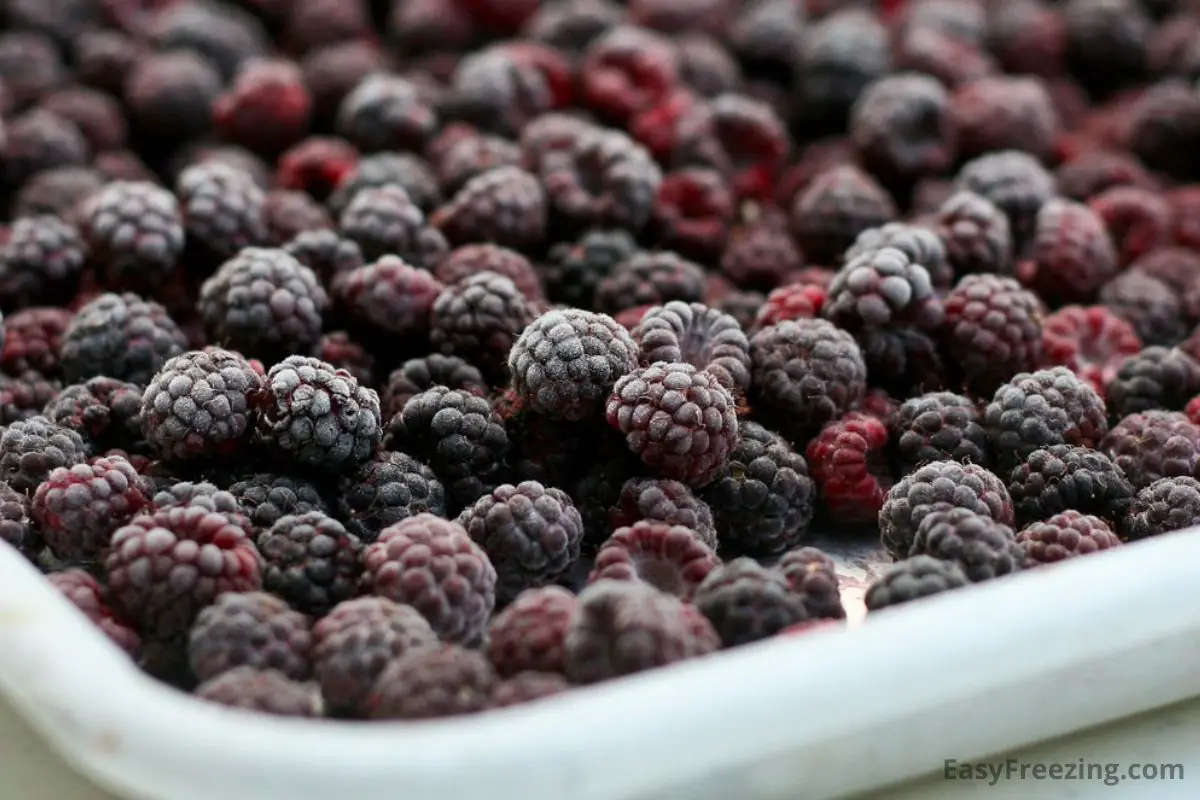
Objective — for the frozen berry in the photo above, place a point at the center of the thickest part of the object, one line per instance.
(848, 461)
(530, 633)
(983, 547)
(912, 579)
(442, 681)
(77, 508)
(746, 602)
(1064, 536)
(251, 629)
(310, 561)
(672, 558)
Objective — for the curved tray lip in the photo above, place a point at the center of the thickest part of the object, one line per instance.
(625, 738)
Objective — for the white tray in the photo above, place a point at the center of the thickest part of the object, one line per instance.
(823, 715)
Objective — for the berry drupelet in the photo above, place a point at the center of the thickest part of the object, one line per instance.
(1153, 445)
(201, 404)
(992, 331)
(1155, 378)
(983, 547)
(17, 528)
(912, 579)
(388, 297)
(77, 508)
(310, 561)
(134, 232)
(478, 319)
(318, 416)
(250, 629)
(940, 426)
(1064, 536)
(32, 448)
(975, 233)
(1061, 478)
(529, 635)
(672, 558)
(746, 602)
(848, 461)
(919, 245)
(1168, 504)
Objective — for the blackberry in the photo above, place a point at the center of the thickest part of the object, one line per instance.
(1016, 184)
(812, 576)
(318, 416)
(56, 192)
(326, 253)
(462, 263)
(672, 558)
(1070, 255)
(39, 140)
(698, 335)
(1061, 478)
(222, 210)
(17, 528)
(418, 374)
(646, 279)
(1064, 536)
(937, 486)
(565, 363)
(836, 207)
(106, 413)
(760, 254)
(355, 641)
(573, 271)
(679, 421)
(1154, 444)
(839, 56)
(252, 629)
(992, 331)
(920, 246)
(378, 170)
(386, 112)
(32, 448)
(504, 206)
(1105, 42)
(458, 435)
(763, 501)
(205, 495)
(164, 568)
(470, 154)
(527, 687)
(87, 594)
(746, 602)
(848, 463)
(433, 565)
(998, 113)
(975, 233)
(134, 232)
(384, 221)
(265, 498)
(912, 579)
(40, 261)
(119, 336)
(603, 179)
(902, 128)
(663, 500)
(1149, 305)
(24, 396)
(262, 691)
(263, 303)
(224, 34)
(78, 507)
(201, 404)
(883, 289)
(170, 94)
(442, 681)
(531, 534)
(1164, 506)
(1039, 409)
(983, 547)
(31, 340)
(478, 319)
(310, 561)
(806, 373)
(343, 352)
(940, 426)
(1155, 378)
(388, 296)
(624, 627)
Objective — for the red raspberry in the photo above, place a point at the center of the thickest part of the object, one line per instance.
(848, 461)
(672, 558)
(794, 301)
(657, 127)
(693, 211)
(1185, 203)
(1193, 410)
(267, 108)
(316, 165)
(530, 634)
(628, 70)
(1138, 220)
(1091, 341)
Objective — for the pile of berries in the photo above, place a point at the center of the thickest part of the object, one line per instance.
(401, 360)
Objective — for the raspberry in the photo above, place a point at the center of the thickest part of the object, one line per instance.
(163, 569)
(902, 129)
(992, 331)
(527, 687)
(839, 56)
(679, 421)
(253, 629)
(936, 486)
(1064, 536)
(1138, 220)
(460, 264)
(504, 206)
(30, 63)
(265, 498)
(433, 565)
(697, 335)
(310, 561)
(419, 374)
(315, 165)
(353, 643)
(983, 547)
(848, 463)
(134, 231)
(530, 633)
(1061, 478)
(627, 70)
(386, 112)
(839, 204)
(78, 507)
(1070, 256)
(672, 558)
(795, 301)
(1157, 377)
(478, 319)
(1148, 304)
(262, 691)
(912, 579)
(441, 681)
(267, 108)
(530, 533)
(264, 303)
(97, 115)
(806, 373)
(16, 527)
(1004, 113)
(89, 596)
(379, 170)
(1019, 186)
(693, 212)
(326, 253)
(31, 340)
(645, 279)
(104, 412)
(1154, 444)
(746, 602)
(920, 246)
(763, 501)
(940, 426)
(39, 140)
(1168, 504)
(1090, 341)
(976, 234)
(760, 254)
(624, 627)
(388, 296)
(1039, 409)
(565, 363)
(205, 495)
(222, 209)
(384, 221)
(1177, 267)
(318, 416)
(738, 136)
(40, 261)
(1106, 41)
(288, 214)
(812, 576)
(342, 352)
(666, 501)
(31, 449)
